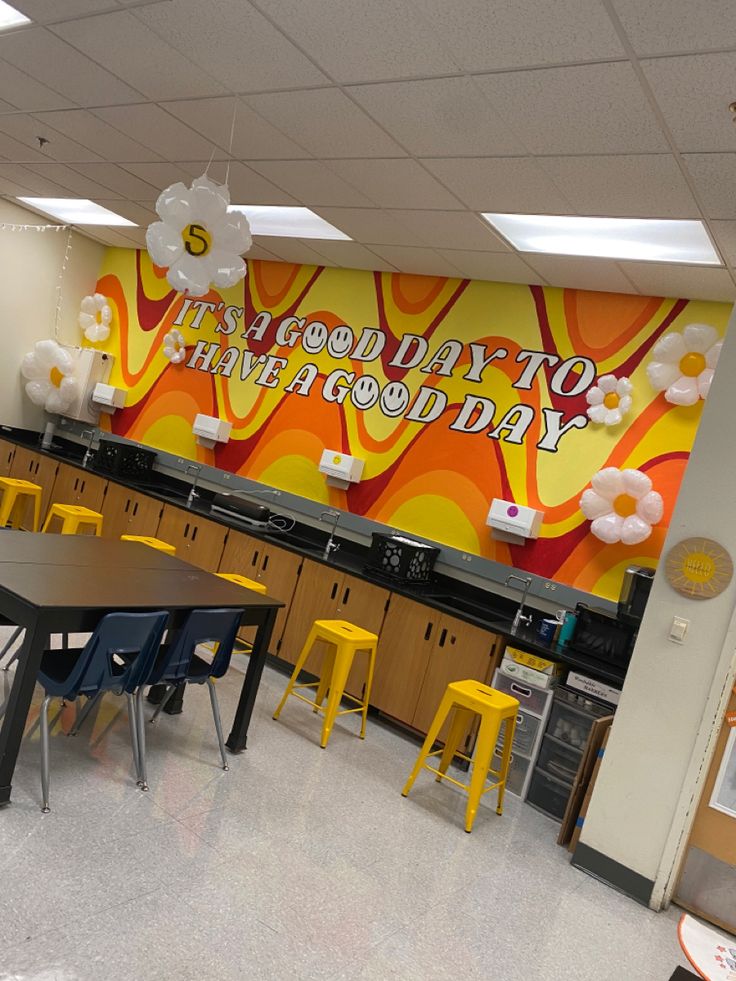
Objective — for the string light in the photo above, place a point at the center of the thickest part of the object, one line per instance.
(6, 226)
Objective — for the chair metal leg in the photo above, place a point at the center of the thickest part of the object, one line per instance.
(133, 723)
(143, 781)
(15, 635)
(218, 723)
(159, 708)
(45, 753)
(81, 716)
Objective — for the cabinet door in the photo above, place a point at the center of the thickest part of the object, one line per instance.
(279, 572)
(363, 604)
(129, 513)
(315, 598)
(460, 651)
(7, 451)
(242, 554)
(76, 486)
(38, 469)
(197, 540)
(407, 639)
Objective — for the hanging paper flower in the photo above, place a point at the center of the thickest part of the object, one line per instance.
(94, 318)
(174, 347)
(609, 400)
(197, 240)
(683, 365)
(621, 506)
(49, 369)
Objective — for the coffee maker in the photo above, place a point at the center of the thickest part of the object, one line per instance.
(635, 591)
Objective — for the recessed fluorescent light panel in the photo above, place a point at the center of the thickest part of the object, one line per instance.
(288, 222)
(76, 211)
(10, 17)
(645, 239)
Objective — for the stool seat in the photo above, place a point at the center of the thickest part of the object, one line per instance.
(243, 581)
(16, 493)
(344, 640)
(73, 517)
(151, 542)
(475, 693)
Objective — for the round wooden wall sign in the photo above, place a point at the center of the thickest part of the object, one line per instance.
(698, 568)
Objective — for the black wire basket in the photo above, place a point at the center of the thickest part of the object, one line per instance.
(401, 559)
(123, 460)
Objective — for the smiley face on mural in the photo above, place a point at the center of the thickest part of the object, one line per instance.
(340, 342)
(395, 399)
(365, 392)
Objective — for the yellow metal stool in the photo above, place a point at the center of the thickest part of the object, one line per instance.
(495, 709)
(73, 517)
(344, 640)
(243, 581)
(151, 542)
(15, 497)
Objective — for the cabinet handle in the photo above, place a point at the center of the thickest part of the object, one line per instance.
(453, 638)
(76, 483)
(333, 594)
(186, 529)
(254, 560)
(443, 636)
(135, 508)
(265, 562)
(84, 483)
(345, 596)
(428, 631)
(520, 690)
(127, 504)
(195, 529)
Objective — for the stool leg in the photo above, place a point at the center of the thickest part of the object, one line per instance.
(340, 672)
(36, 512)
(508, 742)
(304, 654)
(325, 678)
(462, 719)
(486, 743)
(47, 522)
(437, 721)
(367, 689)
(5, 508)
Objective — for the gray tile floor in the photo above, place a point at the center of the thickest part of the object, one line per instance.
(298, 863)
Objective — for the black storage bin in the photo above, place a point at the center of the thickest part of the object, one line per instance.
(123, 460)
(558, 759)
(601, 636)
(400, 559)
(548, 795)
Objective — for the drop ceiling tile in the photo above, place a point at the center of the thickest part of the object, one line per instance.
(258, 252)
(577, 109)
(642, 185)
(26, 129)
(141, 214)
(451, 230)
(12, 149)
(113, 237)
(343, 128)
(725, 236)
(664, 26)
(47, 11)
(688, 282)
(158, 175)
(254, 137)
(22, 91)
(506, 184)
(121, 182)
(494, 266)
(69, 180)
(32, 184)
(422, 262)
(247, 186)
(484, 36)
(311, 183)
(570, 272)
(12, 189)
(232, 41)
(694, 94)
(395, 183)
(371, 226)
(439, 117)
(291, 250)
(714, 176)
(81, 80)
(158, 130)
(91, 132)
(351, 255)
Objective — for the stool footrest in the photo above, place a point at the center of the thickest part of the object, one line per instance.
(459, 783)
(321, 708)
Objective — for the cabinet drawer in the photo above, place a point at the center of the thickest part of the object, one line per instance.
(518, 770)
(569, 726)
(548, 795)
(559, 760)
(525, 733)
(531, 699)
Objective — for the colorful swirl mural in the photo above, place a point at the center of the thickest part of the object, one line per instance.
(422, 477)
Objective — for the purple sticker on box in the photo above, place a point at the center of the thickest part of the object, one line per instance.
(512, 510)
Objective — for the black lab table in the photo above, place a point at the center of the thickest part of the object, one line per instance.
(66, 583)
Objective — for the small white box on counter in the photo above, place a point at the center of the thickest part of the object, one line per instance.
(597, 689)
(530, 676)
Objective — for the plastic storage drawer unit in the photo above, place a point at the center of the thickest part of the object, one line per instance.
(525, 733)
(559, 760)
(531, 699)
(518, 769)
(548, 794)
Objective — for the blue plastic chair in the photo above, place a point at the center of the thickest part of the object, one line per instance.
(178, 662)
(117, 658)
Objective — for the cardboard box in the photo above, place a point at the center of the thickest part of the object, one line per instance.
(529, 676)
(532, 661)
(588, 793)
(582, 778)
(606, 693)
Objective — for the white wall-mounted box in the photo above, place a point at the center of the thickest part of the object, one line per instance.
(107, 398)
(341, 469)
(513, 522)
(210, 430)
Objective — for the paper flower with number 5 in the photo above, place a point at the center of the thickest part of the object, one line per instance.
(683, 365)
(621, 506)
(198, 241)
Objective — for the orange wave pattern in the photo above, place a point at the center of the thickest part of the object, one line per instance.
(425, 479)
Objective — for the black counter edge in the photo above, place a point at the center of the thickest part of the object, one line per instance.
(613, 874)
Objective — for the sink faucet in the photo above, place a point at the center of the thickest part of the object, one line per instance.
(332, 545)
(195, 469)
(89, 435)
(521, 617)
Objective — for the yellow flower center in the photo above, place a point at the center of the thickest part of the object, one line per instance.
(624, 505)
(611, 400)
(98, 316)
(692, 364)
(177, 346)
(56, 377)
(197, 240)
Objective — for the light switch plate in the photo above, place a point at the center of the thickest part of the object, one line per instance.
(678, 630)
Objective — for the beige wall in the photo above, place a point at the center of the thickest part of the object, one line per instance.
(30, 263)
(674, 696)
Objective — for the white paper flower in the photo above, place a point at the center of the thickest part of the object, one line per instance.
(621, 506)
(609, 400)
(94, 318)
(198, 240)
(683, 365)
(49, 368)
(174, 346)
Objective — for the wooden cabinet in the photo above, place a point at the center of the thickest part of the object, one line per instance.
(277, 568)
(76, 486)
(365, 605)
(39, 469)
(7, 451)
(129, 513)
(196, 539)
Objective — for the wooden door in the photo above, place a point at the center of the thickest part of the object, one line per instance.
(279, 572)
(76, 486)
(460, 651)
(315, 598)
(7, 451)
(707, 883)
(39, 469)
(242, 554)
(129, 513)
(197, 540)
(364, 605)
(407, 639)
